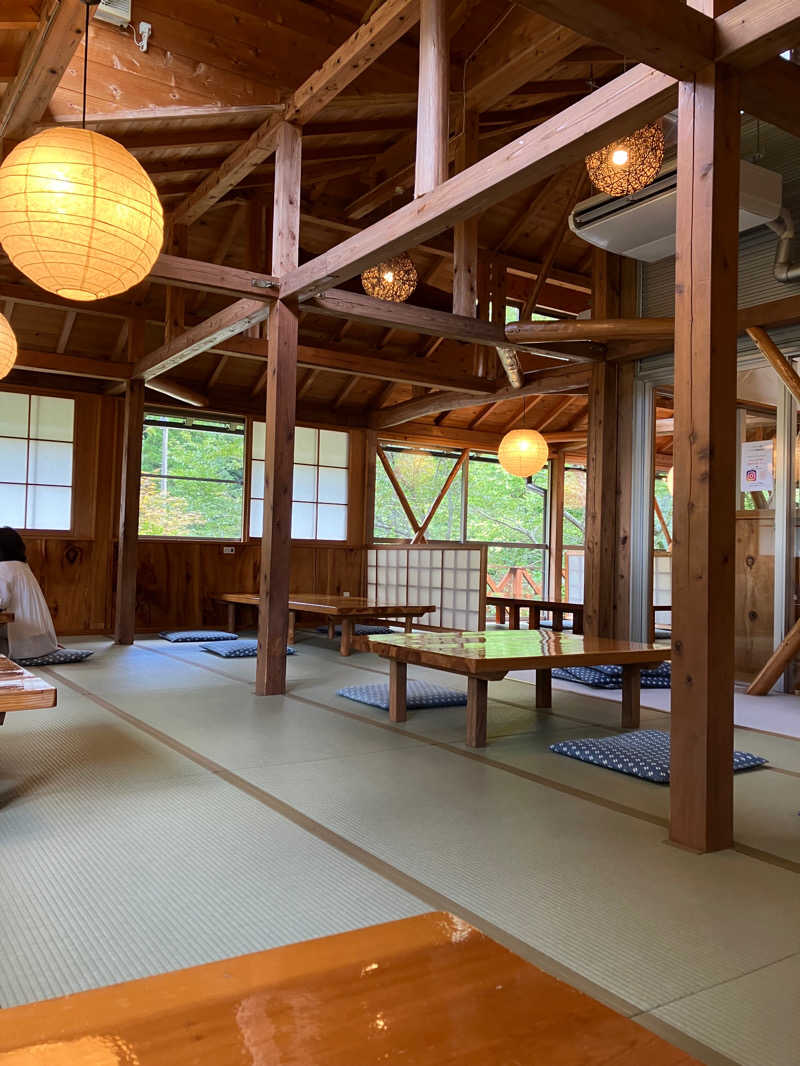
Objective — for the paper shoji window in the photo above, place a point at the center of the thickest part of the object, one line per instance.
(319, 487)
(36, 452)
(454, 579)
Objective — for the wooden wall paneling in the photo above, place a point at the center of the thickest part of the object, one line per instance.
(755, 583)
(273, 625)
(465, 234)
(703, 569)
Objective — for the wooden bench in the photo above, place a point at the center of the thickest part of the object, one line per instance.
(425, 990)
(20, 690)
(558, 608)
(346, 610)
(484, 657)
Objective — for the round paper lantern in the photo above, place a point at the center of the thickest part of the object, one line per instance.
(78, 214)
(670, 480)
(523, 452)
(8, 346)
(393, 280)
(629, 164)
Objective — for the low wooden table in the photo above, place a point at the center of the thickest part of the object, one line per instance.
(558, 608)
(32, 695)
(6, 616)
(485, 657)
(346, 610)
(425, 990)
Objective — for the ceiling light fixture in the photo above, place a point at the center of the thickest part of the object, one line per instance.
(79, 215)
(393, 280)
(8, 347)
(629, 164)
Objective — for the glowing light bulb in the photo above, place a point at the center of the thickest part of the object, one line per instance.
(619, 157)
(388, 275)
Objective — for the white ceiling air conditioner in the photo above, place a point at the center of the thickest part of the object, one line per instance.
(642, 226)
(117, 12)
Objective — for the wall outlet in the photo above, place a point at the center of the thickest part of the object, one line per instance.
(228, 549)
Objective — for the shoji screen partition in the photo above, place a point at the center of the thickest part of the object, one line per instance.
(453, 578)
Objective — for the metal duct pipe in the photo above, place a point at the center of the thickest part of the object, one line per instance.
(784, 269)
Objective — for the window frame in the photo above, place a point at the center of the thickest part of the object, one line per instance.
(249, 538)
(245, 420)
(25, 530)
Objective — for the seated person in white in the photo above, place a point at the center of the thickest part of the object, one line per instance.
(31, 633)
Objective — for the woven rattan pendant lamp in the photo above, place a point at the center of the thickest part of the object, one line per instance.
(629, 164)
(393, 280)
(79, 216)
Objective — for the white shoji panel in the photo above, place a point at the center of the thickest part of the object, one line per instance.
(451, 578)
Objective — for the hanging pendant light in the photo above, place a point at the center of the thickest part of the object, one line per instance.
(393, 280)
(523, 452)
(8, 347)
(79, 215)
(629, 164)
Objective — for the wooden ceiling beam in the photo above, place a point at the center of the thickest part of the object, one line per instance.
(197, 274)
(666, 34)
(544, 383)
(45, 57)
(72, 365)
(235, 318)
(756, 31)
(637, 96)
(414, 372)
(386, 26)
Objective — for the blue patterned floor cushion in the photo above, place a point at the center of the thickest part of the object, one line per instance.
(56, 658)
(418, 694)
(611, 676)
(237, 649)
(359, 630)
(188, 636)
(642, 754)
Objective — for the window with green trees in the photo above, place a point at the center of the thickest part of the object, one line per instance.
(192, 481)
(483, 503)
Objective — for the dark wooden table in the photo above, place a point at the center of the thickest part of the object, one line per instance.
(558, 608)
(484, 657)
(6, 616)
(346, 610)
(426, 990)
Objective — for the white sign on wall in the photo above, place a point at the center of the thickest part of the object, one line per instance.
(757, 471)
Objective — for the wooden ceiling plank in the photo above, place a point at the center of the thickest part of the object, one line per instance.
(579, 184)
(18, 16)
(45, 58)
(392, 19)
(414, 372)
(667, 34)
(639, 95)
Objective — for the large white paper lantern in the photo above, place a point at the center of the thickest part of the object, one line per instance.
(523, 452)
(78, 214)
(8, 347)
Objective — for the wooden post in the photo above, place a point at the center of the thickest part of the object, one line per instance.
(609, 451)
(703, 550)
(433, 118)
(175, 300)
(465, 234)
(276, 541)
(556, 537)
(125, 616)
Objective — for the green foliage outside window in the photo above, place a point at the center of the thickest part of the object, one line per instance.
(192, 479)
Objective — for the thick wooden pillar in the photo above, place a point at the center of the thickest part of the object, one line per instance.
(125, 614)
(608, 452)
(276, 541)
(465, 234)
(433, 98)
(703, 549)
(556, 532)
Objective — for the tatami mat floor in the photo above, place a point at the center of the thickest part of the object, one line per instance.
(164, 816)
